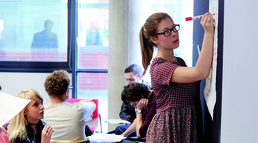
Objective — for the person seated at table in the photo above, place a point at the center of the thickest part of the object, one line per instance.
(141, 98)
(26, 126)
(68, 120)
(133, 73)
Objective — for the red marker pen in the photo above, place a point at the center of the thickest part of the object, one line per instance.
(195, 17)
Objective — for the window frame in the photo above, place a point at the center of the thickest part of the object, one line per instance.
(74, 55)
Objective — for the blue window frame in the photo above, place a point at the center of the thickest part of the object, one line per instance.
(91, 49)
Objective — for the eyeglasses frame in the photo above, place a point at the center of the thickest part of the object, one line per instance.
(173, 28)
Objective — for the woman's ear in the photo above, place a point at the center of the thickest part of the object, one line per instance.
(154, 40)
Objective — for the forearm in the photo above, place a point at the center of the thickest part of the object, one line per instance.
(88, 106)
(204, 62)
(139, 121)
(130, 129)
(88, 109)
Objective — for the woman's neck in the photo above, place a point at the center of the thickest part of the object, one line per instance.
(168, 55)
(31, 121)
(33, 124)
(35, 129)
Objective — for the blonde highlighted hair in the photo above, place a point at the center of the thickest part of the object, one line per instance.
(18, 124)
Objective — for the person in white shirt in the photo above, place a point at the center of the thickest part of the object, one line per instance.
(68, 120)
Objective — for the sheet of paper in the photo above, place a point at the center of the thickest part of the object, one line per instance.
(10, 106)
(210, 88)
(105, 138)
(117, 121)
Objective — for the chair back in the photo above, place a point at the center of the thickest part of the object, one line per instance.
(96, 117)
(95, 113)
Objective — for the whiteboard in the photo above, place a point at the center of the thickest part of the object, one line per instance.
(210, 87)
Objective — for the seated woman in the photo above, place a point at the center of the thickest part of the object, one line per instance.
(141, 98)
(26, 126)
(68, 120)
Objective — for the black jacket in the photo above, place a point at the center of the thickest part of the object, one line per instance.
(127, 112)
(30, 134)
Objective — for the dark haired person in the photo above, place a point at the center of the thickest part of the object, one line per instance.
(141, 98)
(68, 120)
(133, 73)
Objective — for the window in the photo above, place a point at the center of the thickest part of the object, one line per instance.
(33, 36)
(91, 52)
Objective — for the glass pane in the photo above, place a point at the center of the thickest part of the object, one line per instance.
(92, 40)
(33, 30)
(94, 86)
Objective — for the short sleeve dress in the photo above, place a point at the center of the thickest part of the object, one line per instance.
(179, 115)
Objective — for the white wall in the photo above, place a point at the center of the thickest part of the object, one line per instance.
(239, 88)
(13, 83)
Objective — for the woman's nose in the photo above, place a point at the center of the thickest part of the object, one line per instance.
(42, 107)
(173, 33)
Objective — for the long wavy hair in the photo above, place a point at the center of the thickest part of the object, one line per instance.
(149, 29)
(18, 125)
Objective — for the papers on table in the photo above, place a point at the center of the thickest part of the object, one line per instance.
(105, 138)
(117, 121)
(10, 106)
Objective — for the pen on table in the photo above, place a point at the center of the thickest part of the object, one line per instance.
(4, 134)
(195, 17)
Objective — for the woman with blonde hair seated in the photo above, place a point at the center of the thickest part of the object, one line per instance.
(26, 126)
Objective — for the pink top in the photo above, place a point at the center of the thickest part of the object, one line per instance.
(4, 139)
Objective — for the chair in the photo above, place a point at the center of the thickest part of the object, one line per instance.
(95, 125)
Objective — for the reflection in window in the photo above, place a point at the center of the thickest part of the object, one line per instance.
(92, 52)
(94, 86)
(32, 31)
(1, 35)
(92, 40)
(45, 39)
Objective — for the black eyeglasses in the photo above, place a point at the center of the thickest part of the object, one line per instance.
(168, 32)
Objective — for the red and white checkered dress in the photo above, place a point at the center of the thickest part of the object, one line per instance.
(179, 116)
